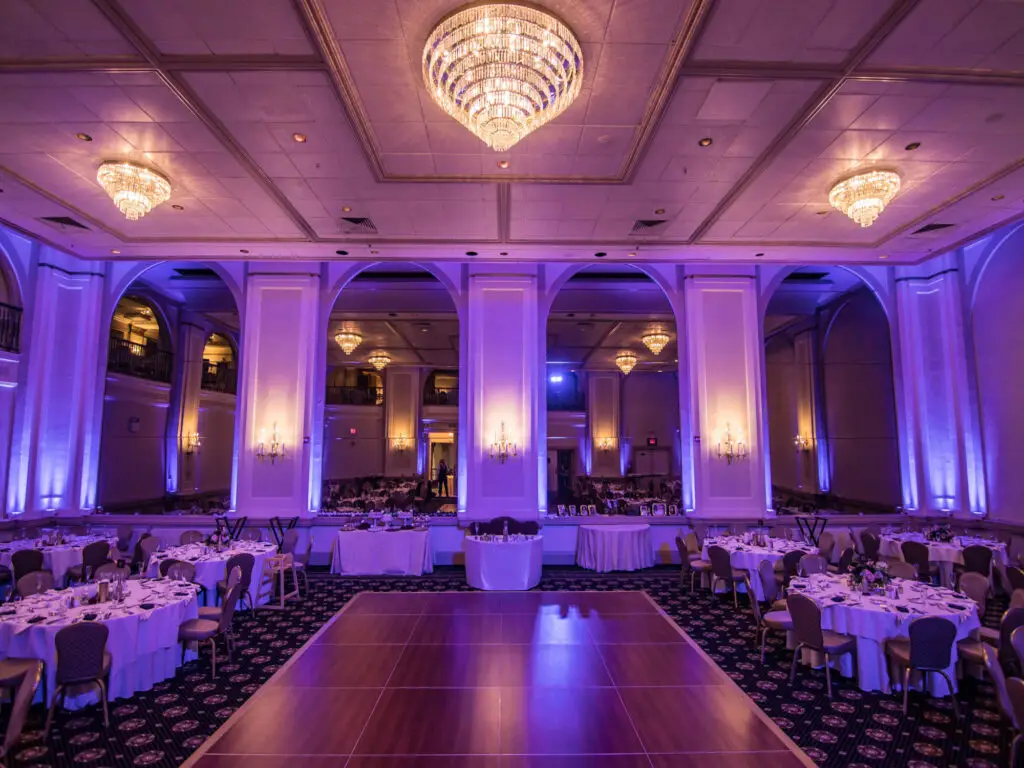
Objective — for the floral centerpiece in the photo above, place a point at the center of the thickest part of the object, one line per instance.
(943, 534)
(869, 575)
(218, 539)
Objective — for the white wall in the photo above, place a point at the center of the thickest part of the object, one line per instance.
(349, 456)
(132, 453)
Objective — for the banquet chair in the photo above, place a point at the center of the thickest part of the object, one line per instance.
(772, 621)
(25, 561)
(179, 569)
(24, 691)
(811, 564)
(93, 556)
(916, 553)
(1015, 699)
(34, 583)
(871, 545)
(693, 550)
(144, 549)
(1017, 641)
(770, 586)
(691, 567)
(845, 561)
(13, 670)
(301, 560)
(929, 648)
(975, 586)
(124, 540)
(790, 566)
(213, 611)
(112, 571)
(972, 649)
(82, 658)
(977, 559)
(990, 660)
(722, 570)
(167, 564)
(200, 630)
(246, 562)
(901, 570)
(1017, 599)
(809, 634)
(826, 545)
(1016, 578)
(190, 537)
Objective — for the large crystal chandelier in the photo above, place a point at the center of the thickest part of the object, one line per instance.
(379, 360)
(655, 340)
(348, 341)
(626, 362)
(502, 70)
(134, 188)
(864, 196)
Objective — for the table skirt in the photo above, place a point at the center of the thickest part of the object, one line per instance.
(369, 553)
(500, 565)
(605, 548)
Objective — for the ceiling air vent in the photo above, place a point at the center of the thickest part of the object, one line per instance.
(805, 277)
(351, 225)
(63, 222)
(930, 228)
(646, 226)
(195, 273)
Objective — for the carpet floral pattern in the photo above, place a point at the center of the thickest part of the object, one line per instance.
(162, 727)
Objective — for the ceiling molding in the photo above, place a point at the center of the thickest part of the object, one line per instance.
(85, 217)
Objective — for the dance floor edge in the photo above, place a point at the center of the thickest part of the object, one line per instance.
(500, 679)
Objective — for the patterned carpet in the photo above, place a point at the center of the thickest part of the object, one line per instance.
(861, 730)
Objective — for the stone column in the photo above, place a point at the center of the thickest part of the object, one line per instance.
(183, 416)
(403, 396)
(604, 407)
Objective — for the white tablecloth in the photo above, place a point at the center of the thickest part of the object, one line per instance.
(498, 564)
(946, 554)
(875, 619)
(143, 645)
(55, 559)
(749, 557)
(213, 566)
(614, 547)
(374, 553)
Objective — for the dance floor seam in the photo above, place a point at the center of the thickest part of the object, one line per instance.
(586, 678)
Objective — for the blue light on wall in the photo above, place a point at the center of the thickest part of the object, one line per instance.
(556, 378)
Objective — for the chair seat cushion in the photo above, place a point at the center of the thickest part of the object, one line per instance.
(211, 612)
(198, 629)
(12, 670)
(835, 642)
(989, 635)
(739, 574)
(899, 649)
(780, 605)
(778, 620)
(971, 651)
(691, 556)
(700, 565)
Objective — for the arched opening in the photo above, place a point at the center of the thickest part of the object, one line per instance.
(168, 429)
(612, 385)
(391, 422)
(830, 398)
(10, 309)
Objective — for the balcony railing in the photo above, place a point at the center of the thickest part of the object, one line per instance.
(219, 377)
(441, 396)
(142, 361)
(566, 401)
(10, 327)
(355, 396)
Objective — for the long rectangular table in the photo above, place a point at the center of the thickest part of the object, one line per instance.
(374, 553)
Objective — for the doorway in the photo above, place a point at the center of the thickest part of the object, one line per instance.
(442, 447)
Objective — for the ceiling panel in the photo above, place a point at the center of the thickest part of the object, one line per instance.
(37, 28)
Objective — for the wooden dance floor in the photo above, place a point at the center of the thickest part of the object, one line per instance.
(560, 679)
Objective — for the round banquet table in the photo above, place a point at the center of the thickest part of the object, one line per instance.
(749, 557)
(143, 643)
(606, 548)
(873, 619)
(946, 554)
(495, 564)
(56, 559)
(378, 552)
(212, 566)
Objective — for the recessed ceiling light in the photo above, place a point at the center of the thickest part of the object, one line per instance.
(299, 137)
(912, 146)
(83, 137)
(823, 213)
(342, 253)
(346, 209)
(659, 211)
(243, 250)
(177, 207)
(114, 251)
(996, 198)
(600, 254)
(707, 141)
(883, 255)
(471, 253)
(758, 255)
(503, 164)
(604, 139)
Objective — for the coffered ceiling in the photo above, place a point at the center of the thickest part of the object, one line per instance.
(794, 94)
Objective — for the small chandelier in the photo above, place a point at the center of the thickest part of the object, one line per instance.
(655, 340)
(503, 448)
(731, 448)
(348, 341)
(802, 443)
(134, 188)
(864, 196)
(273, 450)
(502, 70)
(626, 362)
(191, 443)
(379, 360)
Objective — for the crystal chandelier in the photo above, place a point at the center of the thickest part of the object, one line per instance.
(626, 362)
(379, 360)
(655, 340)
(348, 341)
(864, 196)
(135, 189)
(502, 70)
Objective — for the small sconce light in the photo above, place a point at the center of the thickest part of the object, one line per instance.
(401, 443)
(802, 443)
(191, 443)
(271, 450)
(503, 448)
(605, 444)
(730, 448)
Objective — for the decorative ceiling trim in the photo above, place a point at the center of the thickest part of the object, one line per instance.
(85, 217)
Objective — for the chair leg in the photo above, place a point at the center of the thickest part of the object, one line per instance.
(828, 675)
(952, 692)
(53, 707)
(792, 668)
(213, 658)
(103, 696)
(735, 599)
(764, 639)
(906, 689)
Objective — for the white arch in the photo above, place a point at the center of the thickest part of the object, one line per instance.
(878, 288)
(334, 290)
(560, 280)
(1013, 234)
(11, 268)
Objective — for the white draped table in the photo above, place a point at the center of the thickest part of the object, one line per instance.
(748, 556)
(606, 548)
(212, 566)
(143, 641)
(495, 564)
(946, 554)
(378, 552)
(873, 619)
(56, 559)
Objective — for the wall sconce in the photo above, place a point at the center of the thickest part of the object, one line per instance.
(191, 443)
(503, 448)
(401, 443)
(730, 448)
(605, 444)
(802, 443)
(271, 450)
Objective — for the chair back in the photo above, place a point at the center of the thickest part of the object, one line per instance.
(94, 555)
(975, 586)
(755, 606)
(111, 571)
(124, 537)
(1012, 619)
(995, 673)
(766, 572)
(80, 649)
(167, 564)
(978, 559)
(34, 583)
(1015, 576)
(806, 620)
(931, 642)
(810, 564)
(791, 562)
(692, 545)
(234, 577)
(25, 561)
(1015, 699)
(916, 553)
(147, 547)
(227, 611)
(871, 544)
(290, 542)
(190, 537)
(846, 560)
(1017, 641)
(23, 696)
(1017, 598)
(826, 543)
(900, 570)
(245, 562)
(683, 559)
(721, 564)
(181, 570)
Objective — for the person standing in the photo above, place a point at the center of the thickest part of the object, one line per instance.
(442, 478)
